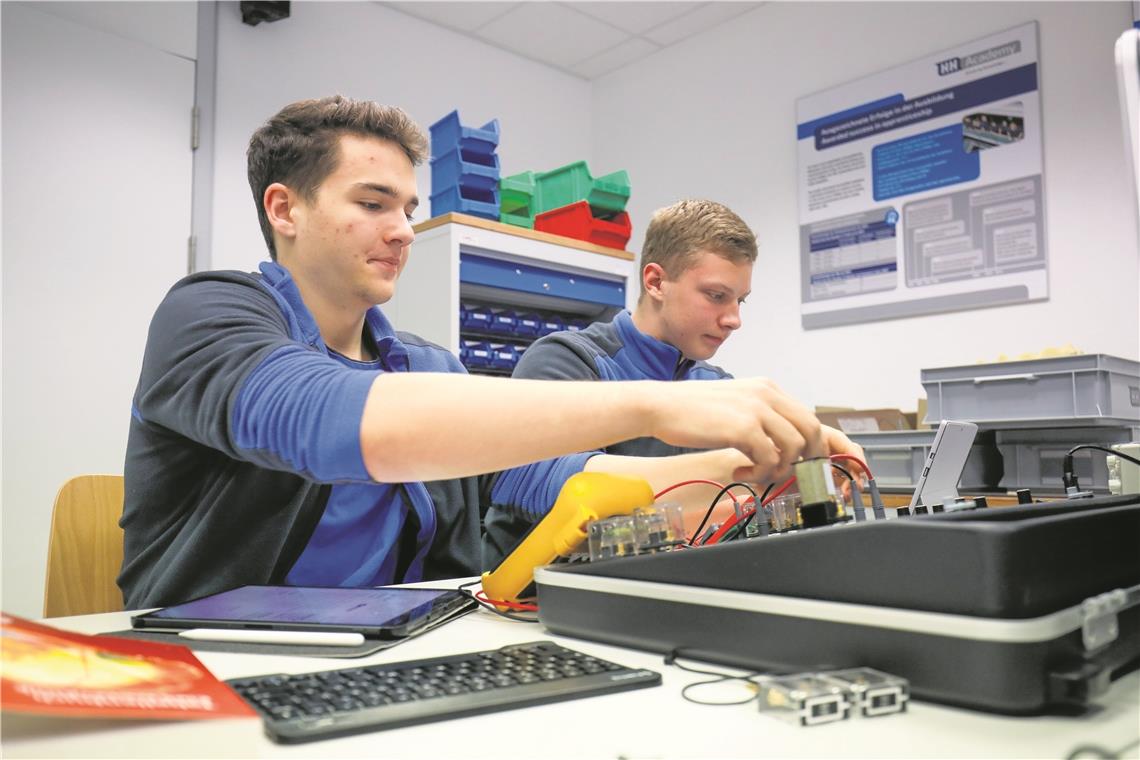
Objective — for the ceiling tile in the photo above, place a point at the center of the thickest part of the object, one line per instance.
(697, 21)
(634, 17)
(614, 58)
(463, 17)
(550, 32)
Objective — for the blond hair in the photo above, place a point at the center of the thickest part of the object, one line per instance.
(678, 233)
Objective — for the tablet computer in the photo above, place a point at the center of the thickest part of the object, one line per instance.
(377, 613)
(943, 468)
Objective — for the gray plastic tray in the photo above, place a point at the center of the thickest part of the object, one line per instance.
(1034, 458)
(1083, 390)
(898, 456)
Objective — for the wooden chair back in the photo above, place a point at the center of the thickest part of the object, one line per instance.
(85, 551)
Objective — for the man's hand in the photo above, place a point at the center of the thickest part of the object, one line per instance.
(838, 443)
(770, 428)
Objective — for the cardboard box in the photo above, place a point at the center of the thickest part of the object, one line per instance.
(865, 420)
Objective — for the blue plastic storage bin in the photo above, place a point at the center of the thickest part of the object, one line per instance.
(504, 322)
(447, 134)
(462, 167)
(475, 318)
(466, 200)
(551, 325)
(505, 356)
(528, 325)
(475, 353)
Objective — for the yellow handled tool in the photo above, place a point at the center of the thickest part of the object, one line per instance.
(586, 496)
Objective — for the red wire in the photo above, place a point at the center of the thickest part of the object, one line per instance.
(729, 523)
(482, 596)
(856, 460)
(725, 527)
(783, 487)
(732, 520)
(661, 493)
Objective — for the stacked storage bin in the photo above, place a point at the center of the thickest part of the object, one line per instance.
(1030, 413)
(464, 168)
(569, 201)
(1040, 408)
(494, 337)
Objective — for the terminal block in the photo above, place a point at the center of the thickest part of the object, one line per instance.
(1123, 476)
(871, 692)
(803, 699)
(647, 530)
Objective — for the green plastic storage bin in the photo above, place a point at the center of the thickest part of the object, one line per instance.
(572, 183)
(516, 200)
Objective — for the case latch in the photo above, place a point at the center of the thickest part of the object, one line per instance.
(1099, 626)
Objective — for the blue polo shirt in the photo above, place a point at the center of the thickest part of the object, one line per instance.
(357, 539)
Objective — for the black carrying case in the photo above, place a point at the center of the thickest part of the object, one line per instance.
(1015, 610)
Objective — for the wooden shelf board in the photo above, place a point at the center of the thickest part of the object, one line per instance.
(510, 229)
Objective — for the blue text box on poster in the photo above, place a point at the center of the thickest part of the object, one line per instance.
(922, 162)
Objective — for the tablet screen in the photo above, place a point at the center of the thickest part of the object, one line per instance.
(311, 607)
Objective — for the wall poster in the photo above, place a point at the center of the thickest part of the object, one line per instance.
(921, 189)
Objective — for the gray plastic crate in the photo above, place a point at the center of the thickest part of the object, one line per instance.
(1034, 458)
(898, 456)
(1088, 389)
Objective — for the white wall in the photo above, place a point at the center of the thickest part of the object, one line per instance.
(715, 116)
(365, 50)
(163, 25)
(96, 185)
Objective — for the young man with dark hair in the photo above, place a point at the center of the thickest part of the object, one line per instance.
(283, 432)
(696, 272)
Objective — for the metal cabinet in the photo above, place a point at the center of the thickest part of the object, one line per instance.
(486, 290)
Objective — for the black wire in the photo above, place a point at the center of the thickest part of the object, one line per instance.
(1115, 453)
(1102, 753)
(757, 507)
(744, 524)
(854, 483)
(740, 529)
(716, 500)
(685, 693)
(750, 489)
(739, 532)
(717, 677)
(463, 589)
(675, 655)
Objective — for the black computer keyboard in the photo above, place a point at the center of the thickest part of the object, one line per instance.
(309, 706)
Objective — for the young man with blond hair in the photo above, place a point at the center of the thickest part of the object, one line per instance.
(696, 271)
(283, 431)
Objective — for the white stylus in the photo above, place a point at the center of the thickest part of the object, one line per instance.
(299, 638)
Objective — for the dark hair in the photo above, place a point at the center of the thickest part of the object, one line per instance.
(300, 146)
(677, 233)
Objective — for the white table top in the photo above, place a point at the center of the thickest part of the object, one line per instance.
(647, 723)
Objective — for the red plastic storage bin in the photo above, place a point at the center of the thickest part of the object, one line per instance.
(578, 221)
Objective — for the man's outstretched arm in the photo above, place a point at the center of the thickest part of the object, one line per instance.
(433, 426)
